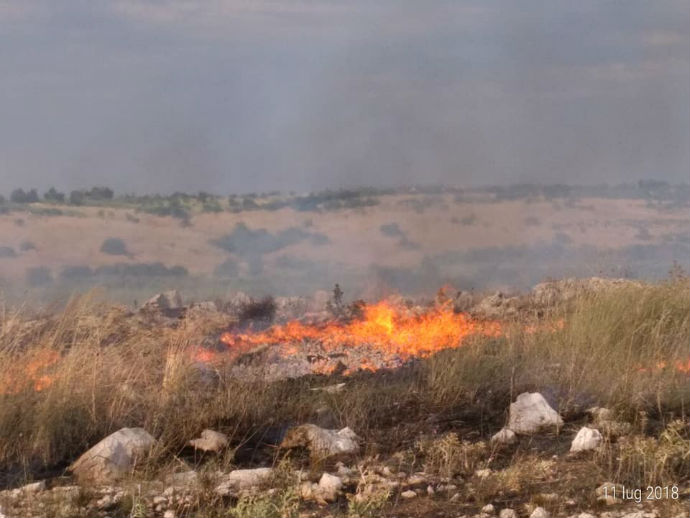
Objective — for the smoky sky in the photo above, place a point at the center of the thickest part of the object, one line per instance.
(256, 95)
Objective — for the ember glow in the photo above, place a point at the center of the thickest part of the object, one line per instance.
(384, 327)
(33, 372)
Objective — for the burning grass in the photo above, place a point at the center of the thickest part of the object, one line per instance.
(70, 379)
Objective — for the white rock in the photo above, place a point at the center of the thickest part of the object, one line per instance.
(408, 494)
(504, 436)
(586, 439)
(210, 440)
(507, 513)
(489, 509)
(430, 490)
(483, 473)
(329, 485)
(34, 487)
(182, 479)
(322, 443)
(530, 413)
(169, 514)
(114, 456)
(240, 479)
(539, 512)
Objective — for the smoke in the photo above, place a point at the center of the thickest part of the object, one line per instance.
(245, 96)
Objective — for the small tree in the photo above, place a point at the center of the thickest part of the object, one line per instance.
(114, 246)
(76, 197)
(54, 196)
(21, 196)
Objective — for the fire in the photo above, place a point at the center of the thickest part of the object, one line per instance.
(384, 327)
(31, 372)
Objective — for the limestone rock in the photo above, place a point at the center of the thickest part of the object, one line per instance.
(320, 442)
(168, 302)
(531, 413)
(504, 436)
(240, 479)
(539, 512)
(586, 439)
(489, 509)
(114, 456)
(329, 485)
(210, 440)
(408, 494)
(507, 513)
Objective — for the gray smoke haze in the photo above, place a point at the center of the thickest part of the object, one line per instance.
(244, 95)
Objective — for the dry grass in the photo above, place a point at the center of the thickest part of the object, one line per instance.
(114, 371)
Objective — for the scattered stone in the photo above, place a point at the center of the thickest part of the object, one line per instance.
(168, 302)
(182, 479)
(210, 440)
(408, 494)
(329, 486)
(507, 513)
(114, 456)
(322, 443)
(586, 439)
(169, 514)
(416, 479)
(330, 389)
(483, 473)
(240, 479)
(605, 493)
(539, 512)
(489, 509)
(34, 487)
(504, 436)
(531, 413)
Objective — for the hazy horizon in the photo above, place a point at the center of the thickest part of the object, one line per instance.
(240, 96)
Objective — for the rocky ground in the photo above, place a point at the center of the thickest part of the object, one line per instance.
(400, 440)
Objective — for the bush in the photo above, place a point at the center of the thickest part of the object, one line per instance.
(76, 272)
(114, 246)
(20, 196)
(7, 251)
(25, 246)
(38, 276)
(54, 196)
(391, 230)
(228, 268)
(157, 269)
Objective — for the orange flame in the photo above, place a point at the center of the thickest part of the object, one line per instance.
(390, 329)
(30, 372)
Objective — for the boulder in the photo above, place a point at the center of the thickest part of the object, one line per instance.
(168, 301)
(489, 509)
(210, 440)
(114, 456)
(241, 479)
(539, 512)
(586, 439)
(504, 436)
(507, 513)
(320, 442)
(329, 485)
(408, 494)
(531, 413)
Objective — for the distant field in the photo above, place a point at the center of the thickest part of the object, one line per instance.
(398, 241)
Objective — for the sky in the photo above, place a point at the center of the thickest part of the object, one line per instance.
(256, 95)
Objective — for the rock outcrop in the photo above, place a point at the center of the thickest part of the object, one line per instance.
(113, 457)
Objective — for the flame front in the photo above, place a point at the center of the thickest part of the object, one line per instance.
(384, 327)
